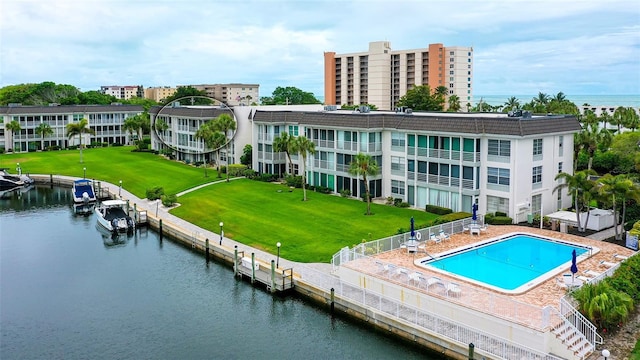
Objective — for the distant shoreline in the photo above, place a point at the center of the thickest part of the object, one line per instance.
(579, 100)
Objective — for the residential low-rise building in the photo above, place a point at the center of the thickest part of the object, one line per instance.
(105, 120)
(123, 92)
(159, 93)
(232, 94)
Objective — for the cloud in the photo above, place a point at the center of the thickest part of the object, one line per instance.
(519, 46)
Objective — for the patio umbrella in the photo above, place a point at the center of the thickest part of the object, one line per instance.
(574, 265)
(413, 230)
(474, 215)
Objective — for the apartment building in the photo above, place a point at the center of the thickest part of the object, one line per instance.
(123, 92)
(381, 76)
(159, 93)
(451, 160)
(105, 120)
(232, 94)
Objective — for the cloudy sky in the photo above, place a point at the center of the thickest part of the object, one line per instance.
(583, 47)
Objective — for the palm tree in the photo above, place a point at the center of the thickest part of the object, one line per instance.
(225, 124)
(248, 97)
(213, 139)
(619, 116)
(560, 97)
(364, 164)
(78, 129)
(13, 127)
(580, 186)
(454, 103)
(43, 130)
(620, 188)
(285, 143)
(590, 138)
(512, 103)
(631, 120)
(541, 99)
(304, 146)
(132, 125)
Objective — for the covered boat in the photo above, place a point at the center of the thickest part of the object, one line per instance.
(83, 191)
(112, 215)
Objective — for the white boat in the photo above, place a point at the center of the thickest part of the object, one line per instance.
(83, 191)
(8, 181)
(112, 215)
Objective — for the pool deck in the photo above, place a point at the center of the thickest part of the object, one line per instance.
(545, 293)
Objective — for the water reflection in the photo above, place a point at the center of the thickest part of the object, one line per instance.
(28, 198)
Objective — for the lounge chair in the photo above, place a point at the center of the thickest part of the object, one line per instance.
(591, 273)
(561, 284)
(484, 227)
(434, 281)
(415, 277)
(402, 272)
(607, 264)
(444, 236)
(434, 238)
(453, 289)
(620, 257)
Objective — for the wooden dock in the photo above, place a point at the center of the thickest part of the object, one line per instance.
(275, 280)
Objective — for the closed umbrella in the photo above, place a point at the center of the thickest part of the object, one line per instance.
(413, 230)
(574, 265)
(474, 214)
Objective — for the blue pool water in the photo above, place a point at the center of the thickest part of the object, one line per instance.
(508, 263)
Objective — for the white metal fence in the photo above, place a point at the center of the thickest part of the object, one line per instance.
(452, 330)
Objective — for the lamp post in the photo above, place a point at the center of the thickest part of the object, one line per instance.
(278, 258)
(84, 172)
(606, 354)
(221, 232)
(120, 190)
(18, 169)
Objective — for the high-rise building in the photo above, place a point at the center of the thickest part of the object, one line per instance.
(381, 76)
(232, 94)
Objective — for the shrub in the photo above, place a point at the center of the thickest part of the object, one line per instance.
(198, 163)
(439, 210)
(403, 204)
(155, 193)
(345, 193)
(498, 220)
(250, 174)
(236, 169)
(294, 180)
(397, 202)
(169, 200)
(73, 147)
(266, 177)
(500, 213)
(389, 200)
(448, 218)
(603, 305)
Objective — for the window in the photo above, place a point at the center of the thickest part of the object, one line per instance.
(293, 130)
(397, 163)
(451, 72)
(499, 147)
(450, 66)
(536, 177)
(498, 176)
(560, 142)
(397, 187)
(537, 147)
(397, 139)
(559, 167)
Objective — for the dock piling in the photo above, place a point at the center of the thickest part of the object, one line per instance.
(333, 294)
(235, 260)
(206, 245)
(273, 276)
(253, 267)
(160, 230)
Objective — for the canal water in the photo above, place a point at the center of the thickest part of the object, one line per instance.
(68, 291)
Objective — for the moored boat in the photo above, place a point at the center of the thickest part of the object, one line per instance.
(83, 191)
(111, 214)
(8, 181)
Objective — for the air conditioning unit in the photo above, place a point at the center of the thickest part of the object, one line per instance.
(523, 207)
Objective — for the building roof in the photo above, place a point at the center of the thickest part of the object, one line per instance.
(192, 112)
(468, 123)
(68, 109)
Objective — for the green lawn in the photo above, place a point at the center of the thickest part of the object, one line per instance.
(253, 212)
(257, 214)
(138, 171)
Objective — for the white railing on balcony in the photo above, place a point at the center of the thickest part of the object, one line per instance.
(348, 145)
(323, 164)
(468, 184)
(330, 144)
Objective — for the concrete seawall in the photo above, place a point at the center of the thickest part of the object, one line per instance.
(191, 236)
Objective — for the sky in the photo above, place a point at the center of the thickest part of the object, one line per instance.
(520, 47)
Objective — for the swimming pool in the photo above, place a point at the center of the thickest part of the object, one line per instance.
(512, 264)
